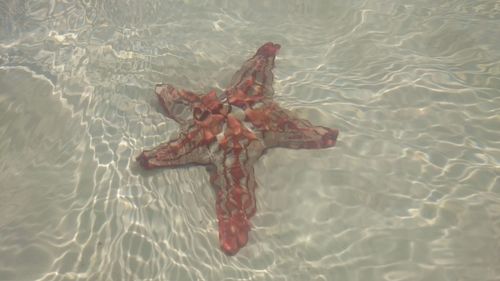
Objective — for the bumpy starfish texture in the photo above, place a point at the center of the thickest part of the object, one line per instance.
(229, 134)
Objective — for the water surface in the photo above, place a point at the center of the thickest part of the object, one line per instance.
(411, 192)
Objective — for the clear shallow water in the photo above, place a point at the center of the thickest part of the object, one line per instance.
(411, 192)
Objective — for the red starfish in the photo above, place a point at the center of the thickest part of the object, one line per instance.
(228, 135)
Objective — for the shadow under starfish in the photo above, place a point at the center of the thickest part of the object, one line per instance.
(229, 134)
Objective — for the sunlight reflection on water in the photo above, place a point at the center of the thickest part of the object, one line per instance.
(411, 192)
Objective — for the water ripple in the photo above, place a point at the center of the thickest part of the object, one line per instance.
(411, 192)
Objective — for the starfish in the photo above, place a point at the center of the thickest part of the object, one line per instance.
(228, 134)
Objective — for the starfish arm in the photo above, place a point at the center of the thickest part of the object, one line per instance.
(177, 104)
(234, 182)
(302, 136)
(184, 150)
(281, 129)
(254, 80)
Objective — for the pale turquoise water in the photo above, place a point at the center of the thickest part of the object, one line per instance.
(411, 192)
